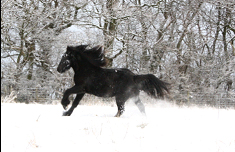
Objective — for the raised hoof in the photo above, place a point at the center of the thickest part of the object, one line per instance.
(144, 114)
(65, 107)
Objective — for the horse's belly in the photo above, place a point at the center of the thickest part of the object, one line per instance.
(103, 92)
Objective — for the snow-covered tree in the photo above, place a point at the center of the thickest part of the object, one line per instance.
(189, 43)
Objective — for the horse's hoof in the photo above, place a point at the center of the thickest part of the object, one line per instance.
(65, 107)
(117, 115)
(65, 113)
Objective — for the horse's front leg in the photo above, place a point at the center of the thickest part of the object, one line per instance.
(74, 105)
(65, 100)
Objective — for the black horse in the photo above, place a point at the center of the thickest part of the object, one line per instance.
(91, 78)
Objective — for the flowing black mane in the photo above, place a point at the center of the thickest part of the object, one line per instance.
(94, 55)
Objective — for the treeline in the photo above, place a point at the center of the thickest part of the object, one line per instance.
(188, 43)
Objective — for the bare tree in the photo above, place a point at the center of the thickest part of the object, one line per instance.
(189, 43)
(28, 31)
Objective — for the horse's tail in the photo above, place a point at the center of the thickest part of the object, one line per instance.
(151, 85)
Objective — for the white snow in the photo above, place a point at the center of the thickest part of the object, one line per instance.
(166, 128)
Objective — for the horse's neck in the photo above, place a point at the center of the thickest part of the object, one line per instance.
(84, 68)
(75, 67)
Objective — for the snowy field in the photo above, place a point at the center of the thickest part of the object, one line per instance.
(166, 128)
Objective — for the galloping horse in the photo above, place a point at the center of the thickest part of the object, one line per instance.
(91, 78)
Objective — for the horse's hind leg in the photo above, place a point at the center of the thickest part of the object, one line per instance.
(120, 101)
(74, 105)
(139, 104)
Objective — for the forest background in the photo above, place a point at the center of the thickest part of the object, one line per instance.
(188, 43)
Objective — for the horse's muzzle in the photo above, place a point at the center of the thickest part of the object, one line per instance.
(60, 70)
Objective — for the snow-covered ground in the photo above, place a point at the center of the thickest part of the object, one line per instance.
(166, 128)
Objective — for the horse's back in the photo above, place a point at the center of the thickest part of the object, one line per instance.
(122, 80)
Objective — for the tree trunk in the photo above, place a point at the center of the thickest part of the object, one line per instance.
(110, 25)
(30, 50)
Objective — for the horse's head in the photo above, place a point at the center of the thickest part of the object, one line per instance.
(69, 57)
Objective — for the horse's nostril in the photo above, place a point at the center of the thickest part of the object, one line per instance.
(59, 70)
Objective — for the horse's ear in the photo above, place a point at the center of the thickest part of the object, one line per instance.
(69, 49)
(100, 49)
